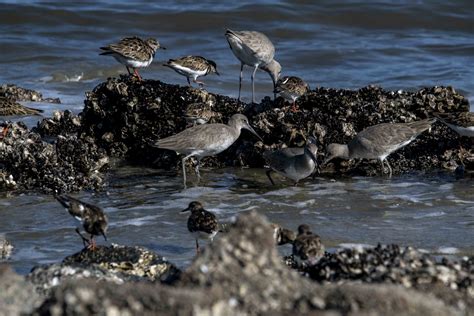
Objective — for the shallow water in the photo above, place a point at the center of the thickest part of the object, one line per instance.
(53, 47)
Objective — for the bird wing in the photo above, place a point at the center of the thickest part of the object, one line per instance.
(129, 47)
(203, 221)
(252, 42)
(279, 160)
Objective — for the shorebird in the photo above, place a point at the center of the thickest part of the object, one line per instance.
(205, 140)
(379, 141)
(202, 224)
(92, 217)
(199, 113)
(9, 107)
(192, 67)
(460, 122)
(282, 235)
(133, 52)
(255, 50)
(307, 247)
(291, 88)
(293, 163)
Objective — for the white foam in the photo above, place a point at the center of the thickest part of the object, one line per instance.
(355, 246)
(448, 250)
(140, 221)
(431, 214)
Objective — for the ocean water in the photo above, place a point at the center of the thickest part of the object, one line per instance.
(53, 47)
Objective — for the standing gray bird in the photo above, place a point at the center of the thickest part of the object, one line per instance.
(205, 140)
(192, 67)
(202, 224)
(379, 141)
(293, 163)
(307, 247)
(133, 52)
(93, 218)
(255, 50)
(460, 122)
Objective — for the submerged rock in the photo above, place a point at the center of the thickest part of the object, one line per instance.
(70, 164)
(62, 123)
(126, 116)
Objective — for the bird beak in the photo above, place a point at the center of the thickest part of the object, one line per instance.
(250, 128)
(103, 234)
(217, 73)
(162, 47)
(185, 210)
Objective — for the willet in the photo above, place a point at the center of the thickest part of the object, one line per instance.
(460, 122)
(291, 88)
(293, 163)
(379, 141)
(205, 140)
(133, 52)
(255, 50)
(192, 67)
(202, 224)
(307, 247)
(92, 217)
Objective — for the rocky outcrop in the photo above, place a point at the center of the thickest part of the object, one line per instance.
(17, 93)
(69, 164)
(126, 116)
(242, 273)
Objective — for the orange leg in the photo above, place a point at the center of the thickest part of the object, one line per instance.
(294, 108)
(135, 71)
(4, 132)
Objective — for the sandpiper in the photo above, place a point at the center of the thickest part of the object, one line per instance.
(202, 224)
(282, 235)
(92, 217)
(205, 140)
(291, 88)
(255, 50)
(192, 67)
(307, 247)
(460, 122)
(10, 107)
(379, 141)
(133, 52)
(293, 163)
(199, 113)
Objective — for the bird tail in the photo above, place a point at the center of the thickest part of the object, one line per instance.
(423, 125)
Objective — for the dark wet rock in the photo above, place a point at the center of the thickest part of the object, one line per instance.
(9, 107)
(22, 94)
(125, 116)
(62, 123)
(393, 264)
(241, 273)
(17, 296)
(134, 261)
(70, 164)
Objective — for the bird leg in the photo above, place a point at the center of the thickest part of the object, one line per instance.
(135, 71)
(389, 168)
(253, 84)
(85, 241)
(269, 176)
(240, 80)
(189, 82)
(183, 163)
(128, 69)
(92, 245)
(196, 169)
(294, 108)
(200, 83)
(4, 132)
(197, 246)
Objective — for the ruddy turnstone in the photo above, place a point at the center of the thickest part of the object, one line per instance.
(205, 140)
(133, 52)
(307, 247)
(379, 141)
(192, 67)
(255, 50)
(293, 163)
(202, 224)
(92, 217)
(282, 235)
(291, 88)
(460, 122)
(10, 107)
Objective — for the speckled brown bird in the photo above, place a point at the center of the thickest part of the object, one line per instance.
(199, 113)
(193, 67)
(93, 218)
(307, 247)
(282, 235)
(133, 52)
(202, 224)
(10, 107)
(291, 88)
